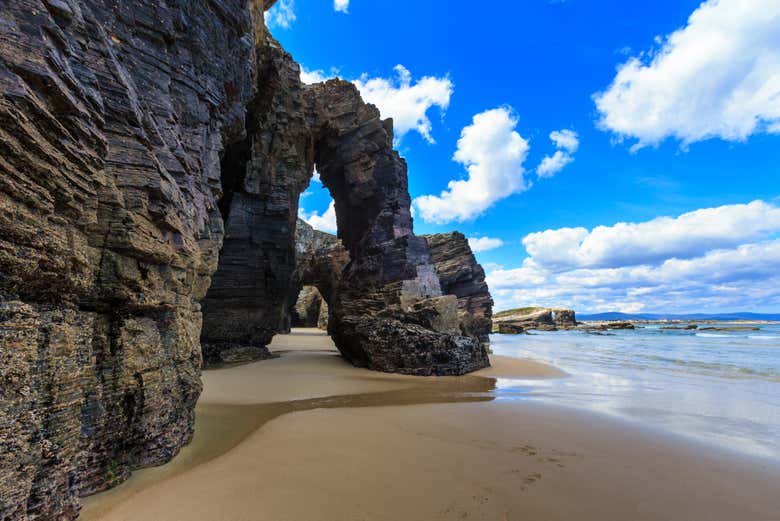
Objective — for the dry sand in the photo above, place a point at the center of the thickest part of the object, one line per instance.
(306, 437)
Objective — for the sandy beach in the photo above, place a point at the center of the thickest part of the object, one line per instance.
(305, 436)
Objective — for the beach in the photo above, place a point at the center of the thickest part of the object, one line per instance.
(305, 436)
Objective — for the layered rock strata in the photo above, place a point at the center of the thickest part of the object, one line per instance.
(461, 275)
(541, 319)
(389, 276)
(135, 137)
(321, 259)
(114, 116)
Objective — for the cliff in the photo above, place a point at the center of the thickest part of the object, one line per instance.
(114, 117)
(153, 154)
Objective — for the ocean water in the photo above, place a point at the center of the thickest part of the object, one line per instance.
(718, 387)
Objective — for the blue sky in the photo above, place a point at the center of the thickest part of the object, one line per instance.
(665, 109)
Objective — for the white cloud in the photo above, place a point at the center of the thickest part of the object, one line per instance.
(492, 266)
(310, 77)
(493, 153)
(686, 236)
(565, 139)
(716, 273)
(325, 222)
(282, 14)
(551, 165)
(479, 244)
(405, 101)
(341, 6)
(719, 76)
(567, 143)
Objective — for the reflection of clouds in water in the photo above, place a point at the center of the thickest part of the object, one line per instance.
(722, 391)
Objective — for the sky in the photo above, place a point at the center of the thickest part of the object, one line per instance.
(600, 155)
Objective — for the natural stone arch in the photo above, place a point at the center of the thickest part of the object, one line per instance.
(320, 259)
(390, 284)
(388, 312)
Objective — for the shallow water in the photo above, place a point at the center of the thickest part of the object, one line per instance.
(715, 386)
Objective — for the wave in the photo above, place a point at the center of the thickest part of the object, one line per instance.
(764, 337)
(713, 335)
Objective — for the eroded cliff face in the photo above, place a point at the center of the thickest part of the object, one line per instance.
(135, 137)
(389, 277)
(114, 116)
(321, 260)
(461, 275)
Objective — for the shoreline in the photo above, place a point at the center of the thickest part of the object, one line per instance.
(268, 429)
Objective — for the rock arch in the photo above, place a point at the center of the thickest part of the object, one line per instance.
(389, 283)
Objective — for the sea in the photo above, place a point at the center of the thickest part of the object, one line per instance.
(717, 387)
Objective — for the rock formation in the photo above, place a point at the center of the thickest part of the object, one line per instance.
(542, 319)
(114, 116)
(321, 259)
(461, 275)
(135, 137)
(306, 311)
(389, 277)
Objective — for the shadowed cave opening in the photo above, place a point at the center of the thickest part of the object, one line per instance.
(262, 266)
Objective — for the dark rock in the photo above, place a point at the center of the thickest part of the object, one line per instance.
(540, 319)
(114, 115)
(684, 328)
(564, 318)
(461, 275)
(381, 269)
(508, 328)
(731, 328)
(145, 147)
(606, 326)
(401, 347)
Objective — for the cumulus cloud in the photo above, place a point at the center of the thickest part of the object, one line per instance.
(686, 236)
(325, 222)
(407, 101)
(341, 6)
(311, 77)
(734, 270)
(551, 165)
(737, 279)
(493, 153)
(282, 14)
(719, 76)
(567, 142)
(479, 244)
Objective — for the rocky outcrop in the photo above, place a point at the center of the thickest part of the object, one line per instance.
(114, 116)
(306, 311)
(607, 326)
(322, 259)
(387, 270)
(461, 275)
(540, 319)
(564, 318)
(152, 156)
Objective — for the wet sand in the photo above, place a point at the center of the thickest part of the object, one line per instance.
(307, 437)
